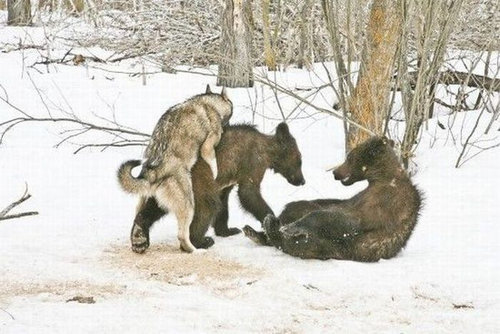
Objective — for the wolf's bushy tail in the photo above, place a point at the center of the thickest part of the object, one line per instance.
(128, 182)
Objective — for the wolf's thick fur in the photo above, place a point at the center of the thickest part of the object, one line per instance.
(374, 224)
(243, 156)
(185, 132)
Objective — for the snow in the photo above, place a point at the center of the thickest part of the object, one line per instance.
(447, 279)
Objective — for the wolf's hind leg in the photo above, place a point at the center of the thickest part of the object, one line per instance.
(176, 193)
(148, 212)
(207, 152)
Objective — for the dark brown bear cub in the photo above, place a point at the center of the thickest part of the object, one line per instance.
(374, 224)
(243, 157)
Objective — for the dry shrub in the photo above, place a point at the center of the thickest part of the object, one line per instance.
(72, 6)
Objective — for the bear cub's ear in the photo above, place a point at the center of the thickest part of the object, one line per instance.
(388, 141)
(282, 131)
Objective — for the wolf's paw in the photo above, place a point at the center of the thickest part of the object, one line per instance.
(186, 245)
(228, 232)
(205, 243)
(139, 239)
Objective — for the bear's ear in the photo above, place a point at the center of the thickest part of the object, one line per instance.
(387, 141)
(208, 90)
(282, 131)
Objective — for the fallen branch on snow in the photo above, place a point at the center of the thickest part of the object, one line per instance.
(4, 213)
(462, 78)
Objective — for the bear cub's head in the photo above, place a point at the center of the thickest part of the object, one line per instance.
(370, 160)
(288, 159)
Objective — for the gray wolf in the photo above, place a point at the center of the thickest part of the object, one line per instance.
(185, 132)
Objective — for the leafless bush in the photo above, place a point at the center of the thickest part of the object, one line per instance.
(101, 133)
(177, 32)
(477, 26)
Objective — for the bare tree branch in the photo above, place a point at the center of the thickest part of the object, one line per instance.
(121, 135)
(4, 213)
(458, 78)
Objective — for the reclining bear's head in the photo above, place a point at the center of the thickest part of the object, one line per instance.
(370, 160)
(288, 160)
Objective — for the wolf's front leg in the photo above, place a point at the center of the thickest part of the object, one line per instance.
(208, 152)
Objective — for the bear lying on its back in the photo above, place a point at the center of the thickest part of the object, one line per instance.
(374, 224)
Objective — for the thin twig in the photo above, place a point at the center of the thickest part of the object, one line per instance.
(7, 312)
(4, 213)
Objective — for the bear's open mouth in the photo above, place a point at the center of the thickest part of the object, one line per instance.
(348, 180)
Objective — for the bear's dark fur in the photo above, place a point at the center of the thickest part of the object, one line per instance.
(243, 156)
(374, 224)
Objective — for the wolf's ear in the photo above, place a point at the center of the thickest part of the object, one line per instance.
(224, 93)
(282, 131)
(208, 90)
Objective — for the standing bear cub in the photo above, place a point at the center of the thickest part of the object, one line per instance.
(243, 157)
(374, 224)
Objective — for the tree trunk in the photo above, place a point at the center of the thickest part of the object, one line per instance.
(305, 47)
(432, 27)
(235, 67)
(368, 104)
(269, 54)
(19, 12)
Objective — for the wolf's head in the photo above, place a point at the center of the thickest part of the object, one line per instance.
(369, 160)
(287, 159)
(221, 103)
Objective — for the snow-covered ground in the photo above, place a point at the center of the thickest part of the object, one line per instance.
(447, 279)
